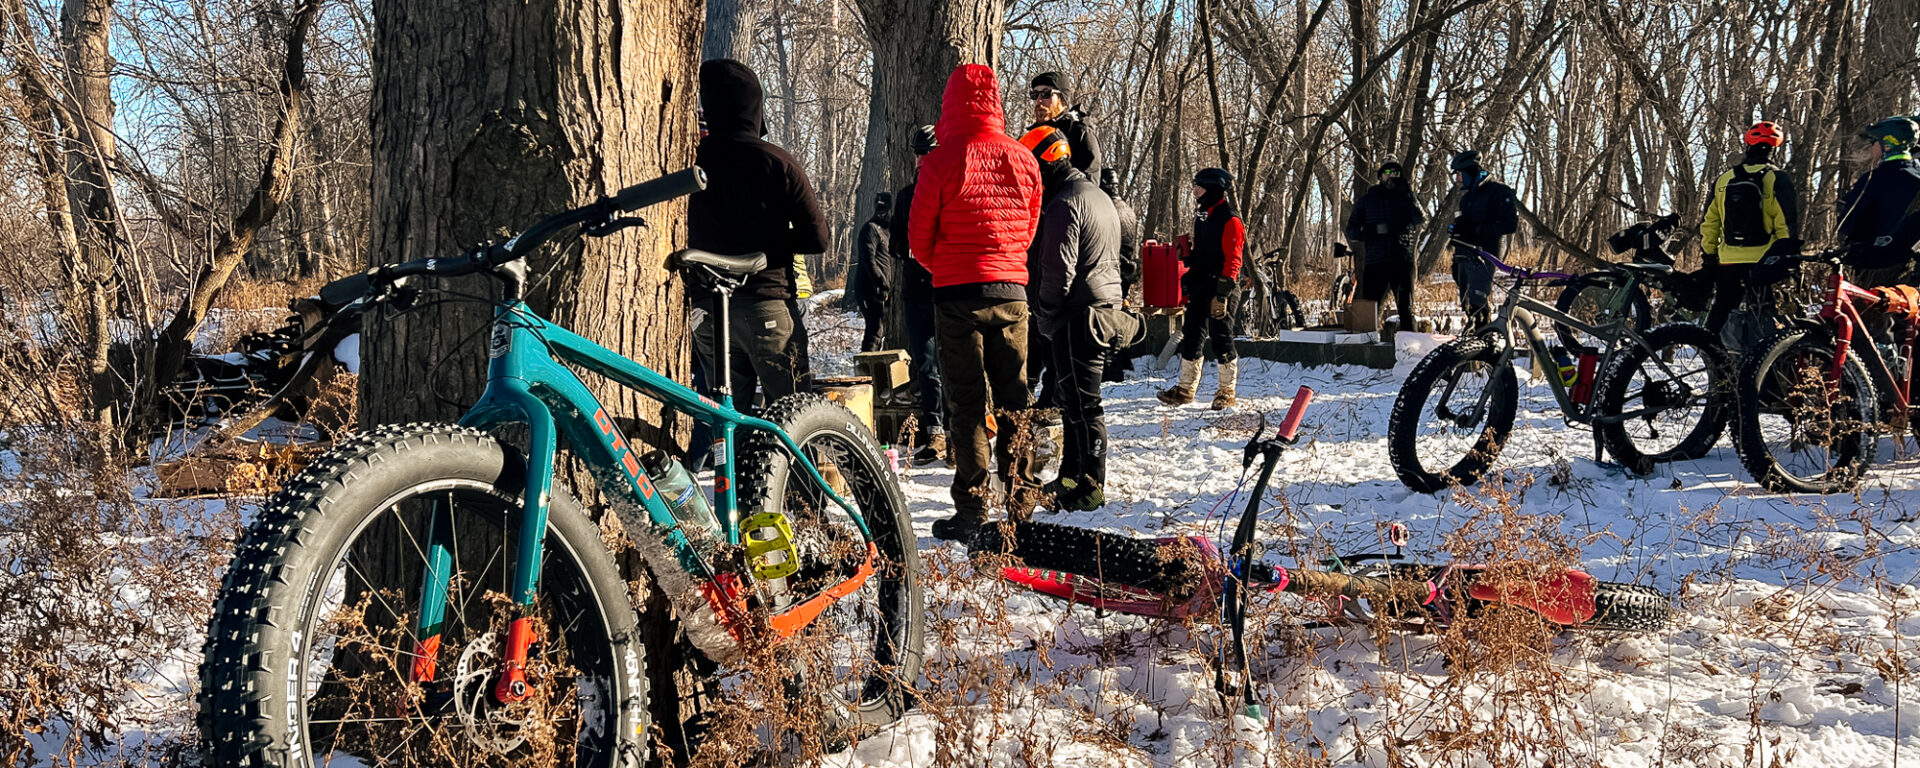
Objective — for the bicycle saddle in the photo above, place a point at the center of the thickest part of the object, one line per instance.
(731, 266)
(1647, 270)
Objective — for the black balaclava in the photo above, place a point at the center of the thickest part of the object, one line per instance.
(882, 206)
(1398, 180)
(1758, 154)
(731, 97)
(1214, 195)
(1055, 173)
(1110, 181)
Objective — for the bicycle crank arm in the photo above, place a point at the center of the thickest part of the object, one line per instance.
(798, 617)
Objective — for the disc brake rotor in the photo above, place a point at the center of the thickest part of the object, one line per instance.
(489, 723)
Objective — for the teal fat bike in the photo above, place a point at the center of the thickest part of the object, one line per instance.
(423, 594)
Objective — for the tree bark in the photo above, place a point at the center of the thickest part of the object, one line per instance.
(918, 43)
(86, 52)
(487, 117)
(729, 30)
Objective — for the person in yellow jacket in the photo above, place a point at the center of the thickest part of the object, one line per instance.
(1752, 205)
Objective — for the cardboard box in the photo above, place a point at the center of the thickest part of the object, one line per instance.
(1361, 316)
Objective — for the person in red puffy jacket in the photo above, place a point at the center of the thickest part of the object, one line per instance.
(976, 207)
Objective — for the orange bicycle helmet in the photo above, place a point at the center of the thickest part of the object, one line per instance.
(1766, 133)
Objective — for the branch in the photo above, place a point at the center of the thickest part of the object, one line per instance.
(276, 185)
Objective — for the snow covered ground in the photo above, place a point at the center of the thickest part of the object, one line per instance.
(1796, 638)
(1797, 633)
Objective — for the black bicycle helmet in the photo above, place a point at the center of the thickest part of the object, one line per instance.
(923, 140)
(1465, 161)
(1213, 178)
(1891, 133)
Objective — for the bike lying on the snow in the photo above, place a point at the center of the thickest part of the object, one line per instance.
(1653, 397)
(1189, 576)
(423, 594)
(1814, 396)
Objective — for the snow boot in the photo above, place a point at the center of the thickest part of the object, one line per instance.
(961, 527)
(1226, 376)
(1182, 392)
(1086, 496)
(934, 450)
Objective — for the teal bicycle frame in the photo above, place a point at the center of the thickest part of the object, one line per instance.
(527, 385)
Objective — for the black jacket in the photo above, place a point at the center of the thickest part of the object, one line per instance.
(757, 197)
(1076, 253)
(1880, 204)
(1488, 212)
(873, 262)
(1384, 219)
(916, 283)
(1083, 149)
(1129, 243)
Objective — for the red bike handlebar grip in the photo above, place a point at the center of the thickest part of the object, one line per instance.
(1291, 424)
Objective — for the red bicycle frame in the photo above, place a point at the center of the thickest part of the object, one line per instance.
(1842, 310)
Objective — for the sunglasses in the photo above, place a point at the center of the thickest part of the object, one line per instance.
(1389, 172)
(1042, 94)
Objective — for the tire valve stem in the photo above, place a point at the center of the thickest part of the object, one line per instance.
(513, 676)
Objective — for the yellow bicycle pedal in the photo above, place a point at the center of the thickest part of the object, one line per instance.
(769, 542)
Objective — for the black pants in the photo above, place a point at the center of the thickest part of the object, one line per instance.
(875, 337)
(925, 360)
(768, 350)
(1473, 277)
(983, 356)
(1396, 276)
(1729, 289)
(1198, 325)
(1077, 366)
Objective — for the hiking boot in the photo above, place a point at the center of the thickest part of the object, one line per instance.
(934, 450)
(1085, 496)
(961, 527)
(1226, 377)
(1182, 392)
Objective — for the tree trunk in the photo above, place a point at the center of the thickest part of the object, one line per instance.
(470, 142)
(918, 43)
(85, 41)
(729, 30)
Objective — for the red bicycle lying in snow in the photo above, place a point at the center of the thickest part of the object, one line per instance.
(1189, 576)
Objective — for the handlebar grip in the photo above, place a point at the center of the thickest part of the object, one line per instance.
(668, 187)
(1291, 424)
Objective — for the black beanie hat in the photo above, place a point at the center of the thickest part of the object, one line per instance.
(1052, 80)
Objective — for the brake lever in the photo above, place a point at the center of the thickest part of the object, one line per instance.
(611, 225)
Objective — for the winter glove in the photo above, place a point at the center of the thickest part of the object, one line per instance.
(1219, 308)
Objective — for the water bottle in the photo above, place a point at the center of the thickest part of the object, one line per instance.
(1569, 373)
(683, 496)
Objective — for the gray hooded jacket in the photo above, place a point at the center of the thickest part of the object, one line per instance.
(1076, 254)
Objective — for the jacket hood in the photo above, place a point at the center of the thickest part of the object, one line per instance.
(731, 97)
(969, 106)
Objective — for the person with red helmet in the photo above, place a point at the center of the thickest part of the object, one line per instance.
(1751, 206)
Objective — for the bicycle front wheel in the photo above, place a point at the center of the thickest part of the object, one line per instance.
(1801, 430)
(1665, 400)
(311, 656)
(1453, 415)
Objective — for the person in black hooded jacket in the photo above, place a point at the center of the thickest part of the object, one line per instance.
(1383, 220)
(757, 199)
(873, 269)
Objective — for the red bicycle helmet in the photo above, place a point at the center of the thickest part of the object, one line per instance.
(1766, 133)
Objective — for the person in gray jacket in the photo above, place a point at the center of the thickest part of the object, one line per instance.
(1074, 288)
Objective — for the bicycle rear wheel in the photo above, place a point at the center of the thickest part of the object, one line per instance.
(1801, 432)
(1674, 392)
(1622, 607)
(311, 656)
(862, 655)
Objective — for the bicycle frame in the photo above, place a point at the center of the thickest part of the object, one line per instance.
(528, 384)
(1840, 310)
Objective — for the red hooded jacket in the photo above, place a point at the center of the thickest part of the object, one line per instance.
(977, 203)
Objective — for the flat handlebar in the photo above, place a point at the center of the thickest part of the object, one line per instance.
(1510, 269)
(486, 257)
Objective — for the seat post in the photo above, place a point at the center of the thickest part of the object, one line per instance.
(723, 342)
